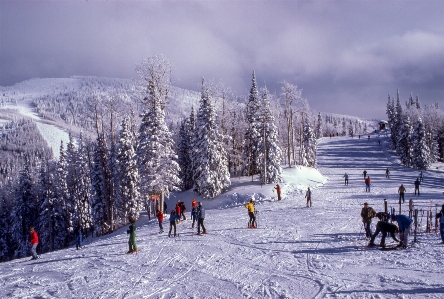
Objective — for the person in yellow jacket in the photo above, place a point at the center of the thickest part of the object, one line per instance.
(250, 208)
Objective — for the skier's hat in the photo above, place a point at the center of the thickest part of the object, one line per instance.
(365, 203)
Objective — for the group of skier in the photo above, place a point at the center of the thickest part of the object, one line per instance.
(383, 226)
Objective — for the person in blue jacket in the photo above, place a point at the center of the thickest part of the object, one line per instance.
(200, 219)
(194, 216)
(404, 224)
(173, 218)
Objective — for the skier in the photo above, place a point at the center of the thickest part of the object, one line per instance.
(346, 179)
(160, 219)
(404, 223)
(401, 191)
(194, 203)
(173, 218)
(367, 184)
(178, 211)
(308, 196)
(200, 219)
(132, 239)
(417, 183)
(182, 210)
(367, 213)
(440, 215)
(78, 232)
(194, 216)
(387, 173)
(364, 173)
(34, 240)
(421, 176)
(250, 208)
(278, 191)
(383, 227)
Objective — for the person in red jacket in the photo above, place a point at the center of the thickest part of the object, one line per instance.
(34, 240)
(160, 218)
(367, 184)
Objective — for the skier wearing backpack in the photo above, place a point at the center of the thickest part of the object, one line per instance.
(250, 208)
(160, 219)
(173, 218)
(132, 239)
(182, 211)
(200, 219)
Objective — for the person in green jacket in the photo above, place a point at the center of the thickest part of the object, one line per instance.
(132, 238)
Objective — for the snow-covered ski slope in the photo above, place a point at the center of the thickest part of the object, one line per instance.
(296, 252)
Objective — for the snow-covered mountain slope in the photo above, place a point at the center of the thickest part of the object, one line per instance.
(296, 252)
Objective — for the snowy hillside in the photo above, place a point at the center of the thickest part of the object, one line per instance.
(296, 252)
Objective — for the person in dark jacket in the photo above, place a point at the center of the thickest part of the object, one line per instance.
(132, 239)
(384, 227)
(417, 183)
(200, 219)
(367, 213)
(182, 211)
(278, 191)
(34, 240)
(78, 232)
(440, 215)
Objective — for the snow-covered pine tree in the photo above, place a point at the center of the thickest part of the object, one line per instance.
(157, 161)
(62, 195)
(309, 146)
(128, 201)
(211, 176)
(351, 132)
(391, 117)
(398, 121)
(420, 150)
(252, 135)
(405, 141)
(98, 200)
(270, 153)
(51, 224)
(24, 213)
(319, 126)
(184, 147)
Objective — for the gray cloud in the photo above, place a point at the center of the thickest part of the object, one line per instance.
(345, 55)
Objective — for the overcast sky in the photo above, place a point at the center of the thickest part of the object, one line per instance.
(346, 56)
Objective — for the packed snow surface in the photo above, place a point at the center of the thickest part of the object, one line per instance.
(296, 252)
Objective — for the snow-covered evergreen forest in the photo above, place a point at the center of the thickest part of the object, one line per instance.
(132, 139)
(417, 131)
